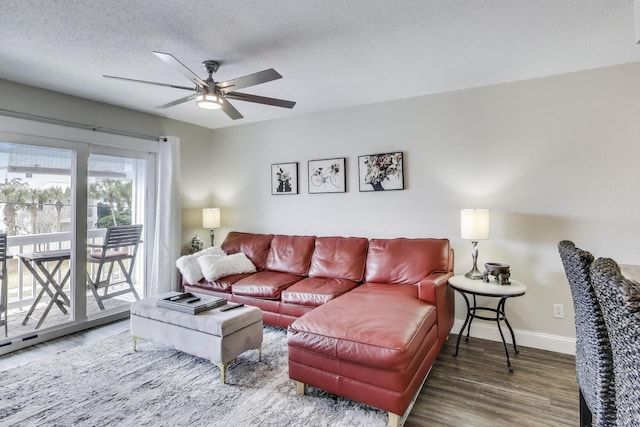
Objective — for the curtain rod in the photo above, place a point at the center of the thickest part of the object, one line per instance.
(19, 115)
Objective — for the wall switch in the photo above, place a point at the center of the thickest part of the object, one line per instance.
(558, 311)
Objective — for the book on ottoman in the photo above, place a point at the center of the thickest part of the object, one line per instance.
(189, 303)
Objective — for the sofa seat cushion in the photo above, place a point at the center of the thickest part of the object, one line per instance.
(264, 284)
(223, 284)
(376, 325)
(315, 291)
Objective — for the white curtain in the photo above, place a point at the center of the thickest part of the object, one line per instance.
(166, 243)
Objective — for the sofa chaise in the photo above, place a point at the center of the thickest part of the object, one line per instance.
(366, 318)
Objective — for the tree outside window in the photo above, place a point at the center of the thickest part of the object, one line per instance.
(114, 201)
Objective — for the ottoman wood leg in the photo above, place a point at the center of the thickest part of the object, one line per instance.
(260, 354)
(301, 388)
(135, 343)
(223, 371)
(394, 420)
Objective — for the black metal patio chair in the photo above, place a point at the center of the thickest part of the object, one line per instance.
(119, 248)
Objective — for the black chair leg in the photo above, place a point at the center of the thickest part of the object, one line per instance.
(585, 412)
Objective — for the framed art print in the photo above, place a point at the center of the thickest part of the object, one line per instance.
(284, 178)
(379, 172)
(327, 176)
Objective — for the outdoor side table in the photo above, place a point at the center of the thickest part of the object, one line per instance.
(475, 288)
(45, 266)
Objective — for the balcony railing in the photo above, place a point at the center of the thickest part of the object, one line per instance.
(22, 287)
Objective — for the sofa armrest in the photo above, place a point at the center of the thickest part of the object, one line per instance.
(435, 289)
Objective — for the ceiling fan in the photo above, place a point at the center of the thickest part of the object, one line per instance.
(213, 95)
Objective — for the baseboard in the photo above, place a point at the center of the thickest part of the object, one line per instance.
(538, 340)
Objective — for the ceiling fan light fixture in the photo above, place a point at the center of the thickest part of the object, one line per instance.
(212, 95)
(209, 101)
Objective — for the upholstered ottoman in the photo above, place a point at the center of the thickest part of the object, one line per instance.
(219, 336)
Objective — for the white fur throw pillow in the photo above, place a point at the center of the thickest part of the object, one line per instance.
(213, 250)
(214, 267)
(188, 264)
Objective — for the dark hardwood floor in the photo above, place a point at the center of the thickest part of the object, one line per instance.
(474, 389)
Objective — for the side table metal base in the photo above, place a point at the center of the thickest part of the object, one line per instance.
(500, 315)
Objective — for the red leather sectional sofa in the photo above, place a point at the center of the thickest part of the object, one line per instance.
(366, 318)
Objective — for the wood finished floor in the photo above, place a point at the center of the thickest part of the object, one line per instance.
(473, 390)
(476, 389)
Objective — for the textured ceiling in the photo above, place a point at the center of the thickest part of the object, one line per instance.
(333, 53)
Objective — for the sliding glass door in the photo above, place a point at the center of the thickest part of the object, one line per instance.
(63, 204)
(35, 210)
(116, 209)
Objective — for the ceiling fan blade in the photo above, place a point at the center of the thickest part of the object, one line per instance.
(149, 83)
(231, 111)
(178, 101)
(260, 99)
(250, 80)
(181, 68)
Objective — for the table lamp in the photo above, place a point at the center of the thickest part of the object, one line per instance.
(211, 219)
(474, 226)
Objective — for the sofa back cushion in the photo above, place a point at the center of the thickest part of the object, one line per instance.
(339, 258)
(254, 246)
(405, 261)
(290, 254)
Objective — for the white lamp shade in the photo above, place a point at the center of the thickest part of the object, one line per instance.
(211, 218)
(474, 224)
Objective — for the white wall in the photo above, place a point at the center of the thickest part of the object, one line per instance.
(553, 158)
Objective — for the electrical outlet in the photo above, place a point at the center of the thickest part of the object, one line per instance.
(558, 311)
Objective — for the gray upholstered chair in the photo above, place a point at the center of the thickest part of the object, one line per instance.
(620, 303)
(594, 370)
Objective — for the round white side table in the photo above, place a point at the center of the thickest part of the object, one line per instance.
(467, 287)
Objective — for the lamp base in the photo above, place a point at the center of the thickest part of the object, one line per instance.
(212, 237)
(474, 274)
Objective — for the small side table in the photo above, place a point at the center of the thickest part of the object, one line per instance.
(492, 289)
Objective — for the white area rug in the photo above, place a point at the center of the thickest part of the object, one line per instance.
(106, 383)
